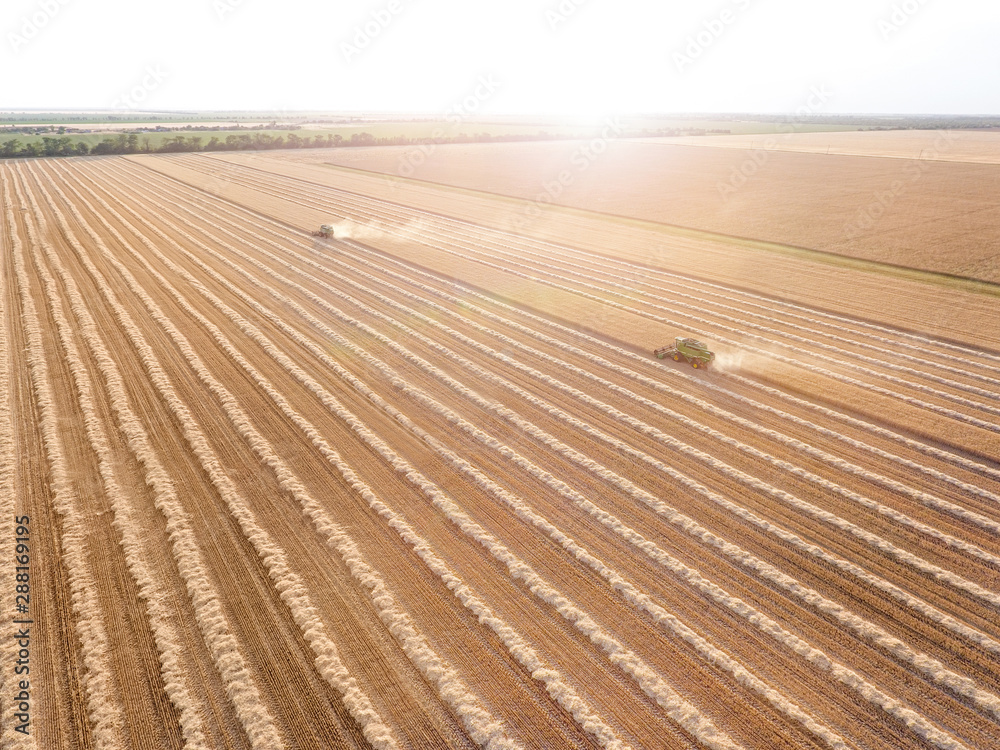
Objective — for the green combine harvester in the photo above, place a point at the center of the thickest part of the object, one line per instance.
(689, 350)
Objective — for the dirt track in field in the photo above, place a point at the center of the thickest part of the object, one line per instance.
(377, 492)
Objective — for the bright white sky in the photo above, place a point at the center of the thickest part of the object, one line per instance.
(586, 57)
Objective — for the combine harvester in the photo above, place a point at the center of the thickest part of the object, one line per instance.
(689, 350)
(325, 231)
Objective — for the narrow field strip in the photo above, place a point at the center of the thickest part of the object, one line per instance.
(10, 243)
(956, 680)
(843, 325)
(105, 709)
(289, 586)
(616, 271)
(462, 240)
(849, 357)
(240, 686)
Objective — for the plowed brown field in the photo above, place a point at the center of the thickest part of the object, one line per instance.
(423, 486)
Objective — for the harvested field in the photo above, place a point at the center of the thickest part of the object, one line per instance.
(423, 485)
(975, 146)
(904, 202)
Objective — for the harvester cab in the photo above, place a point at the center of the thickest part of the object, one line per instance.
(326, 230)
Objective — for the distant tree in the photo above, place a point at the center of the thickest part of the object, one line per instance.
(214, 144)
(82, 148)
(239, 141)
(9, 148)
(106, 146)
(175, 144)
(57, 146)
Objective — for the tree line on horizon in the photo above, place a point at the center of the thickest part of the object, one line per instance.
(129, 143)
